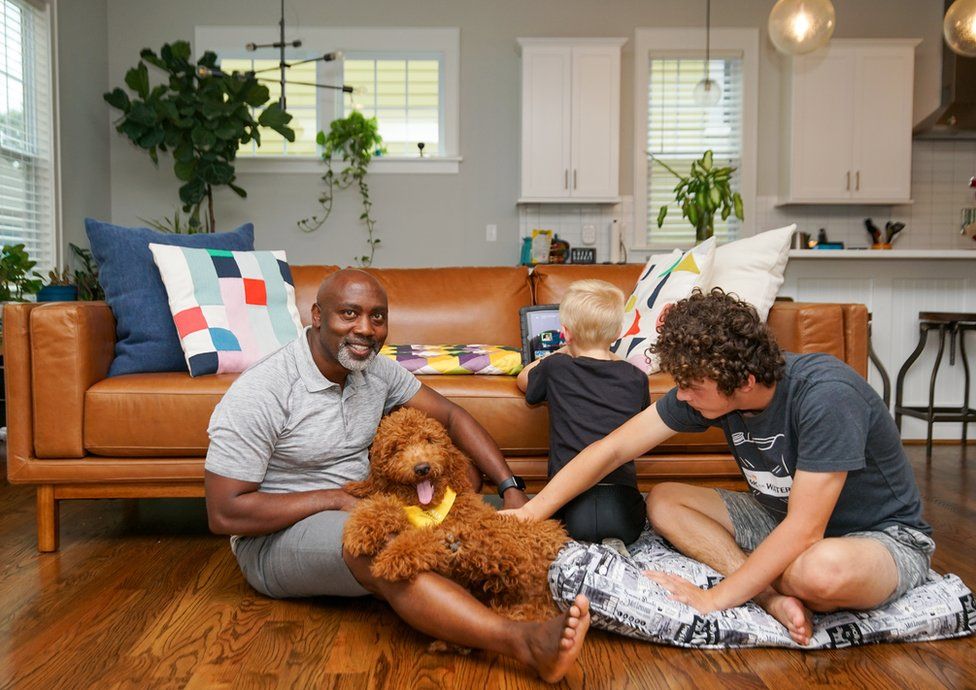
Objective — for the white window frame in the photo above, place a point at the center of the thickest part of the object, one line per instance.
(356, 42)
(49, 121)
(674, 42)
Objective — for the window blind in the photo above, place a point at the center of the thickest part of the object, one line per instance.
(404, 94)
(27, 213)
(680, 131)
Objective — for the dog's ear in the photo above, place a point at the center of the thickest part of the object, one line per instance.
(457, 474)
(361, 489)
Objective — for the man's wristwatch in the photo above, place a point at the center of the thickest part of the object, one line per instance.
(513, 481)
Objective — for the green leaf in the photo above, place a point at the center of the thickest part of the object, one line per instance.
(737, 203)
(185, 170)
(239, 191)
(202, 137)
(193, 192)
(320, 138)
(716, 196)
(137, 79)
(181, 50)
(256, 94)
(706, 161)
(183, 152)
(661, 215)
(117, 98)
(150, 56)
(229, 132)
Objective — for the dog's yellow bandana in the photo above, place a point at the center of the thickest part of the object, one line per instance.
(429, 517)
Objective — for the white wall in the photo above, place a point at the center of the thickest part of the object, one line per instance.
(440, 219)
(85, 136)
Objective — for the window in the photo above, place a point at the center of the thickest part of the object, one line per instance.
(26, 134)
(407, 78)
(677, 131)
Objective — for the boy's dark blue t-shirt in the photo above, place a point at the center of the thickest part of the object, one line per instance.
(824, 417)
(588, 398)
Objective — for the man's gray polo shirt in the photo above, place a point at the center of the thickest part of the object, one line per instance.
(286, 426)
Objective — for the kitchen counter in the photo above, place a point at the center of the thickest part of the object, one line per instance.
(896, 284)
(889, 254)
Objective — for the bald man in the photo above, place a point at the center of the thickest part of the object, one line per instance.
(296, 427)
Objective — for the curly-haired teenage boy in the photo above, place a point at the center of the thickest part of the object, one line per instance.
(833, 517)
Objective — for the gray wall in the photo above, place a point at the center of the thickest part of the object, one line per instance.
(440, 219)
(82, 45)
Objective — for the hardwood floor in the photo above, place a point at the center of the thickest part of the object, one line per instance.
(142, 596)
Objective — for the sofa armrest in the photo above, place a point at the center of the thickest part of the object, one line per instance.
(17, 368)
(72, 345)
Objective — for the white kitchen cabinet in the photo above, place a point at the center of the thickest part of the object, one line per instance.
(848, 124)
(570, 120)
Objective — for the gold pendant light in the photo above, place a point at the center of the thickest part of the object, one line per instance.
(959, 27)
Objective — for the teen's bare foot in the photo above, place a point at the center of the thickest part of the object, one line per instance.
(791, 613)
(554, 645)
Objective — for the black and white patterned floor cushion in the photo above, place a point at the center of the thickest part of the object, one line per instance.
(624, 601)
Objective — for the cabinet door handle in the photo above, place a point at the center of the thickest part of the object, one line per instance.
(574, 179)
(857, 181)
(566, 179)
(848, 181)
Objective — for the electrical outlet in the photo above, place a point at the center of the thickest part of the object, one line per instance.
(491, 233)
(589, 234)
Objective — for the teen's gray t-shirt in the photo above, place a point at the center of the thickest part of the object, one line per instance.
(286, 426)
(824, 417)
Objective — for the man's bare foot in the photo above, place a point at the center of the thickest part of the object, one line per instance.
(791, 612)
(552, 646)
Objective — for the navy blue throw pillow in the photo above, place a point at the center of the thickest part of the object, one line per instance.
(145, 336)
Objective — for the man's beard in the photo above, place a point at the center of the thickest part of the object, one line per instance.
(351, 362)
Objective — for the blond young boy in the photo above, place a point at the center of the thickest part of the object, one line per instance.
(591, 392)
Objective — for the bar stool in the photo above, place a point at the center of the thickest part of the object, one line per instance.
(955, 325)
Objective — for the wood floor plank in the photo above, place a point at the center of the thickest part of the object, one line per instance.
(141, 595)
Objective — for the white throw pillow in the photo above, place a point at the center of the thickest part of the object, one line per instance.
(666, 278)
(753, 267)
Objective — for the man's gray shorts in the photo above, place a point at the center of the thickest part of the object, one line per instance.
(911, 549)
(304, 560)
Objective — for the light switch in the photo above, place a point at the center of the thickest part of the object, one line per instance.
(589, 234)
(491, 233)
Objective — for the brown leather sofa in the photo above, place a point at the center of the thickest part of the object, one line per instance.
(75, 434)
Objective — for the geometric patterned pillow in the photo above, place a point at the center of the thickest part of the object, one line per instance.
(456, 359)
(666, 279)
(230, 308)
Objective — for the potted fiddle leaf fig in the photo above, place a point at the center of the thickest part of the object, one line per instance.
(701, 193)
(200, 114)
(354, 140)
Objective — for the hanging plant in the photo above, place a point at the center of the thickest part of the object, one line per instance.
(701, 193)
(203, 117)
(353, 140)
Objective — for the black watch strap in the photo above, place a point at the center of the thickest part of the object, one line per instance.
(514, 481)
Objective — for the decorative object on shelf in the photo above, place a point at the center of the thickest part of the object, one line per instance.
(558, 251)
(801, 26)
(891, 231)
(582, 255)
(800, 240)
(420, 148)
(525, 255)
(959, 27)
(873, 230)
(968, 225)
(59, 287)
(541, 241)
(354, 139)
(17, 280)
(203, 119)
(707, 91)
(86, 277)
(704, 191)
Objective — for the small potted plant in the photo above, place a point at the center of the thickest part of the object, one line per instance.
(59, 287)
(17, 280)
(705, 190)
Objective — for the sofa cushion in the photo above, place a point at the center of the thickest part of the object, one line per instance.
(145, 415)
(456, 305)
(550, 281)
(230, 308)
(146, 337)
(753, 267)
(307, 280)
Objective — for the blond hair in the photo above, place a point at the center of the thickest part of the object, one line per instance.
(592, 311)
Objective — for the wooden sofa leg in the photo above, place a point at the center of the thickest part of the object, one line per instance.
(48, 519)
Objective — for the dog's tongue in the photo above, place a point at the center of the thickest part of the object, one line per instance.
(425, 492)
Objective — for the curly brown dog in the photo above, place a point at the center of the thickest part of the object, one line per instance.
(410, 525)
